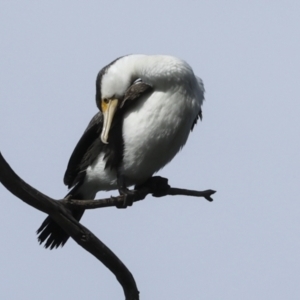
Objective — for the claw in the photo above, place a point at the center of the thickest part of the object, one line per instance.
(129, 197)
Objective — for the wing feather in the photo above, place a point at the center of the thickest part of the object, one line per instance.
(85, 152)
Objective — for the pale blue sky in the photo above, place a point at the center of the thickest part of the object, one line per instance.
(244, 245)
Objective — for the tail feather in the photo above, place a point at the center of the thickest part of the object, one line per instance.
(51, 233)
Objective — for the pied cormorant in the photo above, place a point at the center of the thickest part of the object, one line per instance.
(148, 104)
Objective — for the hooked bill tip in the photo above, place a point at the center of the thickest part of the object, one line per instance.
(104, 140)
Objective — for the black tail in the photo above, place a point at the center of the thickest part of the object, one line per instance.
(51, 233)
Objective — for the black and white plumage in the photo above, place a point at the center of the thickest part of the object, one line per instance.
(148, 106)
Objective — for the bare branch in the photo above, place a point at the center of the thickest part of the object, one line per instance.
(141, 195)
(78, 232)
(59, 212)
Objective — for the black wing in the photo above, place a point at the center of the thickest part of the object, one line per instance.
(85, 152)
(202, 91)
(199, 116)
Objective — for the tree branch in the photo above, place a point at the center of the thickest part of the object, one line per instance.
(78, 232)
(59, 212)
(141, 195)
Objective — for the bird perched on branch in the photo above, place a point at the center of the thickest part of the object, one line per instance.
(148, 106)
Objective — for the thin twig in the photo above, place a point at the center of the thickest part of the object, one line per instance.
(118, 200)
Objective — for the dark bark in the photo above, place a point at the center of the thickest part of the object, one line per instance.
(78, 232)
(58, 210)
(117, 201)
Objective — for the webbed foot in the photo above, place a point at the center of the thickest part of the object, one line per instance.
(159, 185)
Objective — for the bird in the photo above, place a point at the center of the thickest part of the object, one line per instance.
(147, 107)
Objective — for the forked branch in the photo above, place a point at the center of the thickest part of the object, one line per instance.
(78, 232)
(58, 210)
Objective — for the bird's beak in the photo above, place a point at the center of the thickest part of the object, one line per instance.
(109, 108)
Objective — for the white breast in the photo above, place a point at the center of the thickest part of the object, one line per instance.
(154, 131)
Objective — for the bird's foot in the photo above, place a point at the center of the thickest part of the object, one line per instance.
(159, 185)
(129, 197)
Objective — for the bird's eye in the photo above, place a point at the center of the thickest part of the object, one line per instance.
(105, 100)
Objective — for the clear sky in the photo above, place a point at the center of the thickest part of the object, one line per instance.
(245, 244)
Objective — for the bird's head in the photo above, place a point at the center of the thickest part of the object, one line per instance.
(117, 84)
